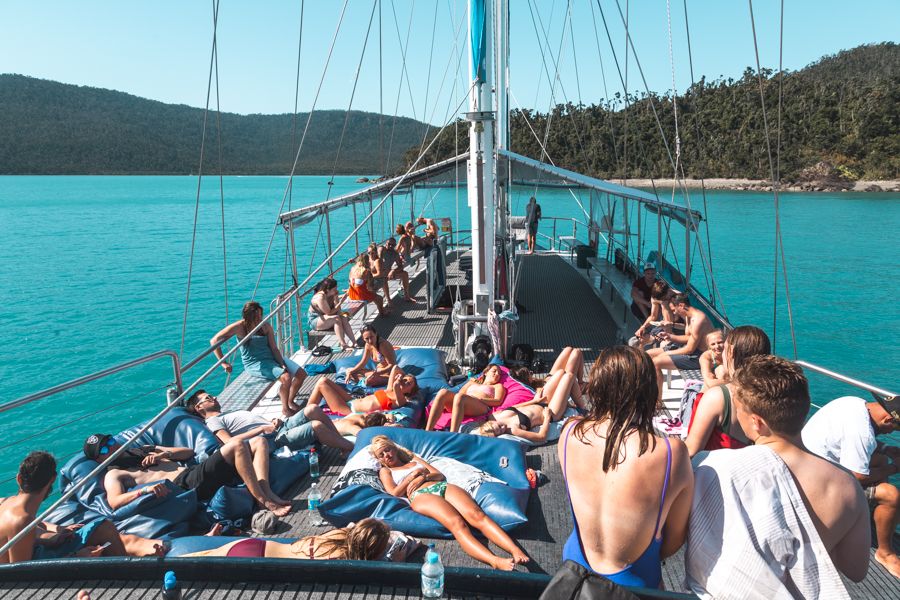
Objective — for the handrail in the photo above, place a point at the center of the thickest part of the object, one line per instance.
(844, 379)
(98, 375)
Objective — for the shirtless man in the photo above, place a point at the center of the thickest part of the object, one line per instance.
(431, 230)
(772, 400)
(693, 342)
(128, 475)
(98, 538)
(393, 263)
(843, 431)
(264, 435)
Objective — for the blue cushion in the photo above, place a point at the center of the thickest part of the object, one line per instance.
(230, 503)
(505, 504)
(285, 471)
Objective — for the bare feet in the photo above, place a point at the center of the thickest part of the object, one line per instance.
(519, 557)
(504, 564)
(216, 530)
(160, 549)
(889, 561)
(411, 300)
(280, 510)
(83, 595)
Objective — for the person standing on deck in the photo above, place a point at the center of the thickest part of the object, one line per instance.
(641, 293)
(532, 218)
(37, 473)
(393, 263)
(843, 431)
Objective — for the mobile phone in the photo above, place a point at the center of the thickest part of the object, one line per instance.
(105, 545)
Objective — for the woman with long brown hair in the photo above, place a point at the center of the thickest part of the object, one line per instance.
(261, 356)
(624, 541)
(366, 540)
(362, 286)
(714, 423)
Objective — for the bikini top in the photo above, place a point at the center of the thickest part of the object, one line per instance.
(646, 570)
(483, 389)
(398, 474)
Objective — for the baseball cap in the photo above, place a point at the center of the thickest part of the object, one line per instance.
(649, 266)
(94, 443)
(264, 522)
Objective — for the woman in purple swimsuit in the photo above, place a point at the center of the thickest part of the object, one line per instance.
(624, 541)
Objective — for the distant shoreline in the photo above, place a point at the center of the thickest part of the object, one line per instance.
(762, 185)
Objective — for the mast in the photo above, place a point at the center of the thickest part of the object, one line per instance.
(481, 180)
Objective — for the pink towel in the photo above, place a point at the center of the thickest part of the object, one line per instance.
(516, 393)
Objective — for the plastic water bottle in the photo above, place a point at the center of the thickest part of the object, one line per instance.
(315, 499)
(432, 575)
(313, 463)
(170, 589)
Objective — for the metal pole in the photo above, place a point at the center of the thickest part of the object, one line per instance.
(659, 253)
(328, 232)
(296, 274)
(356, 236)
(687, 257)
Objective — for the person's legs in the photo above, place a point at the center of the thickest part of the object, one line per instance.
(348, 331)
(335, 396)
(238, 455)
(324, 429)
(139, 546)
(259, 451)
(575, 364)
(438, 407)
(297, 378)
(459, 499)
(562, 360)
(466, 406)
(287, 406)
(559, 399)
(107, 532)
(375, 379)
(661, 361)
(443, 512)
(887, 499)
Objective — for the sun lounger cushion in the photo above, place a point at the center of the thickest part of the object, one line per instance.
(363, 496)
(553, 431)
(426, 364)
(516, 393)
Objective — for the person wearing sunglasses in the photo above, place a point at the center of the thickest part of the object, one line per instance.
(138, 471)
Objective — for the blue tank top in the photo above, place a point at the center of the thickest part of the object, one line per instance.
(646, 571)
(258, 359)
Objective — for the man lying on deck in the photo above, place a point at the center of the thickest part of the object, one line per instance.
(692, 343)
(97, 538)
(774, 520)
(300, 431)
(843, 431)
(126, 478)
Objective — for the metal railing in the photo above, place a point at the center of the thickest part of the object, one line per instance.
(874, 390)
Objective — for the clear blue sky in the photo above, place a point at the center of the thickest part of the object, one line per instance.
(161, 49)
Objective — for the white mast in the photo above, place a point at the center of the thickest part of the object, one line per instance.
(481, 180)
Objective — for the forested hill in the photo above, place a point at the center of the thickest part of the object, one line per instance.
(843, 110)
(54, 128)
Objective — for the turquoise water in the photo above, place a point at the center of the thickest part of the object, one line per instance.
(93, 272)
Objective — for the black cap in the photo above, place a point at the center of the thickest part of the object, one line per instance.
(891, 405)
(93, 444)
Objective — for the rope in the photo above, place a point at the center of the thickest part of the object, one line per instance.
(403, 76)
(221, 188)
(674, 89)
(300, 146)
(772, 173)
(199, 181)
(296, 102)
(362, 55)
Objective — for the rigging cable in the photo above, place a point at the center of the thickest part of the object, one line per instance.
(403, 76)
(774, 176)
(296, 103)
(221, 191)
(300, 145)
(187, 297)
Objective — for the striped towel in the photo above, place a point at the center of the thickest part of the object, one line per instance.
(750, 535)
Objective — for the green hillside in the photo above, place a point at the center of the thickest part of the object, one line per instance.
(54, 128)
(843, 109)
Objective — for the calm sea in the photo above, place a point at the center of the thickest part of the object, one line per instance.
(94, 271)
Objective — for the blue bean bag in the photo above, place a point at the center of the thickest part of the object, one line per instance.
(429, 367)
(359, 494)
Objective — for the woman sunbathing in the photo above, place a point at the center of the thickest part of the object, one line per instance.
(366, 540)
(404, 474)
(378, 350)
(353, 423)
(400, 387)
(477, 397)
(520, 419)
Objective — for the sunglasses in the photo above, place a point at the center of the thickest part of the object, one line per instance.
(107, 446)
(207, 399)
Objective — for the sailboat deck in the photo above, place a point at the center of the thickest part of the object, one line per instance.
(561, 309)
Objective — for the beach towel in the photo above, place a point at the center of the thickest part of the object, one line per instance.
(750, 535)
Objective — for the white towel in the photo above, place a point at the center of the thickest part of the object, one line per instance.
(750, 535)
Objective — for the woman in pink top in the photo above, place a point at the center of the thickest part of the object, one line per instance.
(477, 397)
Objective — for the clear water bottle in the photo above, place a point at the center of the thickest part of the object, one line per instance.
(313, 463)
(315, 499)
(432, 575)
(170, 589)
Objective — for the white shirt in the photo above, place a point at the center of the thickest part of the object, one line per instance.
(842, 432)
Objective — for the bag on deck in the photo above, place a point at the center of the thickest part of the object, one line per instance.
(574, 582)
